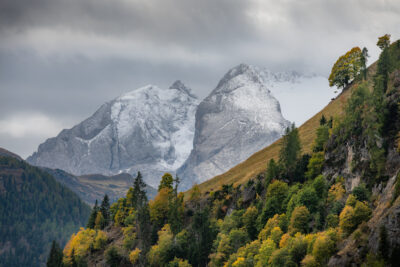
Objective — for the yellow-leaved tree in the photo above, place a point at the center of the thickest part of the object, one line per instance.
(346, 68)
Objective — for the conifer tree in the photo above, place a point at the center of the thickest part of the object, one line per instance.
(139, 198)
(92, 218)
(140, 203)
(330, 122)
(175, 213)
(290, 150)
(322, 121)
(364, 59)
(105, 209)
(272, 172)
(55, 256)
(383, 62)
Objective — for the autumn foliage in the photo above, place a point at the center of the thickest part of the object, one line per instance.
(346, 68)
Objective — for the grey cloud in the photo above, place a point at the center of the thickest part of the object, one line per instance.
(64, 58)
(188, 21)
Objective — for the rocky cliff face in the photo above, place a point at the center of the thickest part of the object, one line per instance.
(238, 118)
(149, 130)
(352, 161)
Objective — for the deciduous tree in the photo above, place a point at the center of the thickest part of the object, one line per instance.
(346, 68)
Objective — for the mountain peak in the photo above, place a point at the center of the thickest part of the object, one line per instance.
(237, 118)
(158, 122)
(241, 74)
(179, 85)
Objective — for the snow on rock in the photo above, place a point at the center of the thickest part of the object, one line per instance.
(148, 129)
(155, 130)
(238, 118)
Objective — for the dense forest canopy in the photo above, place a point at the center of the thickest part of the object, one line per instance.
(34, 211)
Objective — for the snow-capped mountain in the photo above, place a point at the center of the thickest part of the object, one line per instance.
(153, 130)
(149, 130)
(238, 118)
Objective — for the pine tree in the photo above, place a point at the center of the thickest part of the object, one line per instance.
(175, 213)
(144, 231)
(383, 68)
(290, 150)
(55, 256)
(105, 209)
(140, 204)
(92, 218)
(139, 198)
(322, 121)
(364, 59)
(272, 172)
(330, 122)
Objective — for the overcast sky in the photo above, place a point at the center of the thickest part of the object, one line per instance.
(61, 59)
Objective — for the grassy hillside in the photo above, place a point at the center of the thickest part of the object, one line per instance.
(257, 163)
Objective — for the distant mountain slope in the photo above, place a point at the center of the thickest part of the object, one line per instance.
(34, 210)
(149, 130)
(238, 118)
(6, 153)
(95, 186)
(257, 162)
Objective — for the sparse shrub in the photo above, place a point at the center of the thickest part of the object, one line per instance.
(113, 256)
(134, 255)
(129, 237)
(361, 192)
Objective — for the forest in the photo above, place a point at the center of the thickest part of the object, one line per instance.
(34, 210)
